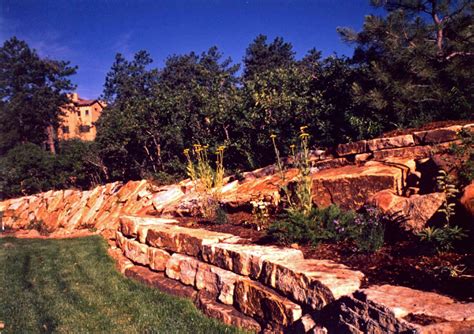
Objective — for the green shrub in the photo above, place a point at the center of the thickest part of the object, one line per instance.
(368, 231)
(366, 228)
(328, 224)
(441, 239)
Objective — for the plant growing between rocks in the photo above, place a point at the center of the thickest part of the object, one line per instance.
(299, 199)
(442, 239)
(207, 181)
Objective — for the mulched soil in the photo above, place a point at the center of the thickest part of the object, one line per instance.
(402, 263)
(428, 126)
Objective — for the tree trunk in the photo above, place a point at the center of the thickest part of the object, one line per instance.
(50, 140)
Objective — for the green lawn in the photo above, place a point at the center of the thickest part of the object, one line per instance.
(71, 286)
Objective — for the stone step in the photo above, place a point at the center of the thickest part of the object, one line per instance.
(313, 283)
(395, 309)
(246, 259)
(184, 240)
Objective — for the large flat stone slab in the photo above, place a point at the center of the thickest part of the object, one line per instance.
(184, 240)
(246, 259)
(351, 186)
(129, 225)
(313, 283)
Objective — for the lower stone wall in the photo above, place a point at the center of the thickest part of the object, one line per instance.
(267, 288)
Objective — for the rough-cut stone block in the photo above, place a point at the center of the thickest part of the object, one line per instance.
(416, 209)
(203, 276)
(352, 148)
(217, 281)
(129, 225)
(246, 259)
(403, 301)
(182, 268)
(329, 163)
(413, 152)
(264, 304)
(436, 136)
(391, 142)
(159, 281)
(395, 309)
(351, 186)
(225, 313)
(121, 262)
(135, 251)
(166, 197)
(314, 283)
(158, 258)
(183, 240)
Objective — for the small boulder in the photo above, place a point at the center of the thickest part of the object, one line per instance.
(467, 199)
(416, 209)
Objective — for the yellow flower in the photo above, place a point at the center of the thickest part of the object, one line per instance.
(302, 128)
(292, 146)
(186, 151)
(273, 136)
(304, 135)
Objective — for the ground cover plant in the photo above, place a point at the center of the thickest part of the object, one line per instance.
(72, 286)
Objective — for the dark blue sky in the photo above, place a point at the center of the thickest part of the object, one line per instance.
(89, 32)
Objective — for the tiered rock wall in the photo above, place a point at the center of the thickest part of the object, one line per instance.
(349, 176)
(276, 289)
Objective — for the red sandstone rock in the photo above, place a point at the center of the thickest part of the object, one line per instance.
(351, 186)
(246, 259)
(313, 283)
(159, 281)
(135, 251)
(416, 209)
(437, 135)
(264, 304)
(467, 199)
(183, 240)
(390, 142)
(158, 258)
(352, 148)
(225, 313)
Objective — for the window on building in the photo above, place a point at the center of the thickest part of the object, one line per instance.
(65, 129)
(84, 128)
(87, 112)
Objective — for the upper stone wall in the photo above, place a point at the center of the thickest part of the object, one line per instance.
(349, 177)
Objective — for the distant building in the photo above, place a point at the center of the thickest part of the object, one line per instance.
(79, 119)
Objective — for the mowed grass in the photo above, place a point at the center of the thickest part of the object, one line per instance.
(72, 286)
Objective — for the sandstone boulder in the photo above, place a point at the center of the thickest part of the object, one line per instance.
(417, 210)
(467, 199)
(135, 251)
(351, 186)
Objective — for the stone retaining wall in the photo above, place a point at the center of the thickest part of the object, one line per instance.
(277, 287)
(349, 177)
